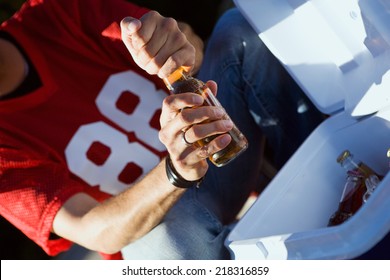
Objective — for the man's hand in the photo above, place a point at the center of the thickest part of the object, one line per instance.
(183, 116)
(160, 45)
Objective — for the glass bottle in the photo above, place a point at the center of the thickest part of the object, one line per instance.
(179, 82)
(355, 188)
(371, 183)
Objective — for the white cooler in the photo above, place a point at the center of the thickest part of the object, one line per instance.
(339, 53)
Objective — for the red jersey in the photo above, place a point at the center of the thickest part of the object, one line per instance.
(92, 126)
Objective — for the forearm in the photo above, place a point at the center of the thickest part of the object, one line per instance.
(110, 226)
(137, 210)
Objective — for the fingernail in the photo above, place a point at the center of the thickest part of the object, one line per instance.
(228, 124)
(133, 24)
(225, 139)
(197, 99)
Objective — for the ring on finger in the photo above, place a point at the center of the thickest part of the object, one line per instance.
(184, 139)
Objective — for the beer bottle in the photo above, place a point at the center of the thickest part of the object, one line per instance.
(179, 82)
(358, 173)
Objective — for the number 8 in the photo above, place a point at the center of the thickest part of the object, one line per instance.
(121, 151)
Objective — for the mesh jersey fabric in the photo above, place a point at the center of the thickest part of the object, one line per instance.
(90, 127)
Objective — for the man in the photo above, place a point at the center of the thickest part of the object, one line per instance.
(63, 165)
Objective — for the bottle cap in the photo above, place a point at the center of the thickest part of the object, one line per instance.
(343, 156)
(175, 76)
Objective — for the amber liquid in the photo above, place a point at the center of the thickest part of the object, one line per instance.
(237, 145)
(353, 200)
(350, 204)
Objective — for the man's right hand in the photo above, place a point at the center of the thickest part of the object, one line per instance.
(160, 45)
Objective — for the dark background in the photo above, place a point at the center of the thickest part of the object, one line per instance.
(200, 14)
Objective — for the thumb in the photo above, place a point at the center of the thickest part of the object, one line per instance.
(130, 25)
(212, 85)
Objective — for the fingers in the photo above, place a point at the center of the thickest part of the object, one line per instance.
(212, 86)
(176, 57)
(157, 44)
(191, 162)
(180, 112)
(205, 130)
(217, 144)
(198, 123)
(173, 104)
(194, 134)
(195, 41)
(196, 155)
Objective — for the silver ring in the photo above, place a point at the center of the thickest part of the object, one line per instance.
(183, 137)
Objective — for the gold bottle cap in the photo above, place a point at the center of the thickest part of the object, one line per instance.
(176, 75)
(343, 156)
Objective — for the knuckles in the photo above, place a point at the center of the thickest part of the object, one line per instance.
(169, 24)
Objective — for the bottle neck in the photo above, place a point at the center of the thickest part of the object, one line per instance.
(349, 163)
(179, 74)
(356, 167)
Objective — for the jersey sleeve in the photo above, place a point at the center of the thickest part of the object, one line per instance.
(34, 184)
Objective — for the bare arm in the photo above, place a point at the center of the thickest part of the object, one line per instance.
(109, 226)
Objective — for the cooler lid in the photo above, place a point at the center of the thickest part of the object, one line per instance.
(338, 51)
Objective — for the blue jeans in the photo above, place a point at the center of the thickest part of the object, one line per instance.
(262, 99)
